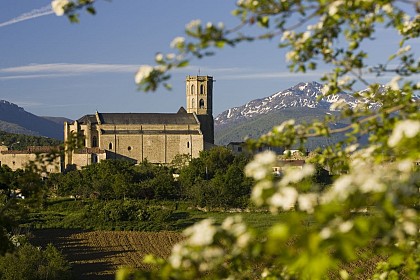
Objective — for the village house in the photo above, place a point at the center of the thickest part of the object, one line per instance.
(47, 159)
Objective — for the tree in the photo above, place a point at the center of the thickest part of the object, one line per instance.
(374, 200)
(12, 207)
(30, 262)
(216, 179)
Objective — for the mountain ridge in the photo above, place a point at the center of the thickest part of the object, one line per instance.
(302, 95)
(299, 102)
(15, 119)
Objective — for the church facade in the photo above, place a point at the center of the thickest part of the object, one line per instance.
(155, 137)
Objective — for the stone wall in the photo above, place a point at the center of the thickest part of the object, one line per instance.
(20, 159)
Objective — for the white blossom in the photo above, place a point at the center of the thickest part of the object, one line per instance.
(393, 84)
(143, 73)
(410, 228)
(387, 8)
(333, 8)
(170, 56)
(287, 35)
(243, 240)
(403, 50)
(351, 148)
(405, 165)
(58, 6)
(285, 198)
(408, 225)
(201, 233)
(344, 274)
(409, 23)
(339, 190)
(242, 2)
(325, 233)
(407, 128)
(258, 191)
(177, 42)
(345, 226)
(210, 257)
(160, 68)
(305, 36)
(317, 26)
(178, 251)
(295, 175)
(261, 165)
(307, 202)
(325, 89)
(343, 81)
(193, 24)
(285, 124)
(159, 57)
(290, 55)
(338, 105)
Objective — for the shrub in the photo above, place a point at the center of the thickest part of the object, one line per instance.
(28, 262)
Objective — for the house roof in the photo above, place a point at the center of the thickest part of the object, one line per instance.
(181, 117)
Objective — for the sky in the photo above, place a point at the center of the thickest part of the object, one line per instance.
(52, 67)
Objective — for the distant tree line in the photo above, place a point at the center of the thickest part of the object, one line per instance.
(215, 179)
(21, 141)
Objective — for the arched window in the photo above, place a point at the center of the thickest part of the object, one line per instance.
(94, 158)
(192, 103)
(110, 146)
(192, 89)
(201, 89)
(94, 141)
(201, 103)
(188, 144)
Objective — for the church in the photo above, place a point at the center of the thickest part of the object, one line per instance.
(155, 137)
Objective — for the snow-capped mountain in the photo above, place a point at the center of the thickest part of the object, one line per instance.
(302, 95)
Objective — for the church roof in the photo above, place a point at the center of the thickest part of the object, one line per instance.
(87, 119)
(181, 117)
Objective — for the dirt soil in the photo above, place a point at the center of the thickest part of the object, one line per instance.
(98, 254)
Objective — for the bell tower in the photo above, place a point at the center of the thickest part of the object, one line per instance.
(199, 91)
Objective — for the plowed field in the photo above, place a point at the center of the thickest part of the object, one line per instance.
(97, 254)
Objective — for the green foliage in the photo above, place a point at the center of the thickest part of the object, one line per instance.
(117, 179)
(21, 141)
(104, 215)
(15, 185)
(216, 179)
(32, 263)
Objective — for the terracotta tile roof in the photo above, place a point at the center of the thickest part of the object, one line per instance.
(34, 150)
(95, 150)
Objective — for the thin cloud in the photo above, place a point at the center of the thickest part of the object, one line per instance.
(59, 70)
(236, 73)
(71, 68)
(44, 11)
(270, 75)
(42, 76)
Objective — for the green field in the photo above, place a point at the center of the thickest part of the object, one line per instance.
(134, 215)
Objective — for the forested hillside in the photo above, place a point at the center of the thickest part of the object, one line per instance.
(21, 141)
